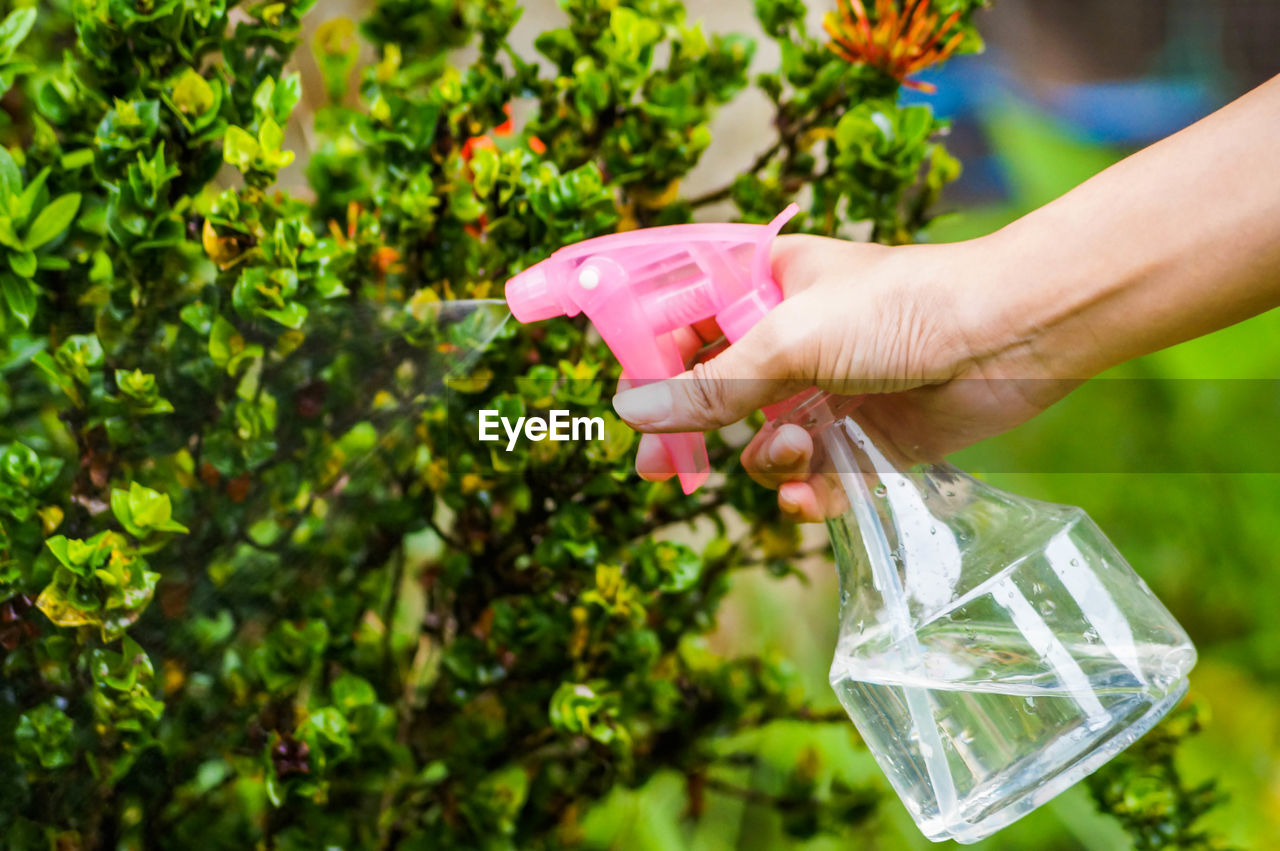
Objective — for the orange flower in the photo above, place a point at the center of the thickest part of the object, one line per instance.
(386, 260)
(477, 228)
(475, 143)
(506, 128)
(899, 42)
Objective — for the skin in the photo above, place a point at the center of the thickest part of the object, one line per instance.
(955, 343)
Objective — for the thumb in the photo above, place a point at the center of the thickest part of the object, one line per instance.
(759, 369)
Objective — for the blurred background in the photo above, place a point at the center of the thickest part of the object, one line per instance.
(1176, 455)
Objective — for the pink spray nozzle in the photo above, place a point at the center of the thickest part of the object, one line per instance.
(639, 286)
(531, 297)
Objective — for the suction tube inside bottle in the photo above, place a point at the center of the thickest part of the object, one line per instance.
(885, 576)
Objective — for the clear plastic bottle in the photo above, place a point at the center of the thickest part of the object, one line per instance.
(993, 649)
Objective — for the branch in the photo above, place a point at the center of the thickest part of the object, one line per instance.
(725, 192)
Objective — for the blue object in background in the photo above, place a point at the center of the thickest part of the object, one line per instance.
(1114, 114)
(1135, 112)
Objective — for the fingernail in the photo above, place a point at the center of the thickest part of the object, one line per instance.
(787, 504)
(783, 451)
(644, 405)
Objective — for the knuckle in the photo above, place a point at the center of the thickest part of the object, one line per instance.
(708, 392)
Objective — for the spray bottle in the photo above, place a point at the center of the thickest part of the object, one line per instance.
(993, 650)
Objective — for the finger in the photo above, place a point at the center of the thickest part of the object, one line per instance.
(652, 461)
(758, 370)
(779, 455)
(689, 342)
(799, 502)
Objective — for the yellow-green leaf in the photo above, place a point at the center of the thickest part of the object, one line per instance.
(53, 220)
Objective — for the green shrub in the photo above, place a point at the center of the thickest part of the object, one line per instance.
(262, 586)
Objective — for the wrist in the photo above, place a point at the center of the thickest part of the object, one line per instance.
(1028, 307)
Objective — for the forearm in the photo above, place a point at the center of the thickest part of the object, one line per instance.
(1178, 240)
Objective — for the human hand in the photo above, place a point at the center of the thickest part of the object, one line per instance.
(914, 328)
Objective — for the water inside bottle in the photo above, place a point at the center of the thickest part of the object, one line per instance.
(1012, 691)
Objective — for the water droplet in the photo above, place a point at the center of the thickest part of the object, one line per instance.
(933, 530)
(951, 493)
(881, 490)
(902, 483)
(924, 495)
(1075, 562)
(862, 627)
(1037, 588)
(1090, 635)
(1047, 608)
(965, 737)
(1031, 703)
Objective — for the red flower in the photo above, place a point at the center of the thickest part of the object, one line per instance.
(899, 42)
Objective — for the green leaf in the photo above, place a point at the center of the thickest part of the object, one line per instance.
(288, 92)
(579, 708)
(270, 136)
(53, 220)
(464, 204)
(484, 165)
(73, 160)
(52, 263)
(120, 508)
(328, 729)
(8, 237)
(198, 316)
(239, 148)
(34, 192)
(142, 511)
(23, 262)
(58, 546)
(223, 338)
(46, 734)
(192, 94)
(20, 297)
(46, 363)
(618, 440)
(680, 567)
(292, 315)
(350, 691)
(102, 582)
(149, 507)
(14, 29)
(20, 465)
(10, 177)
